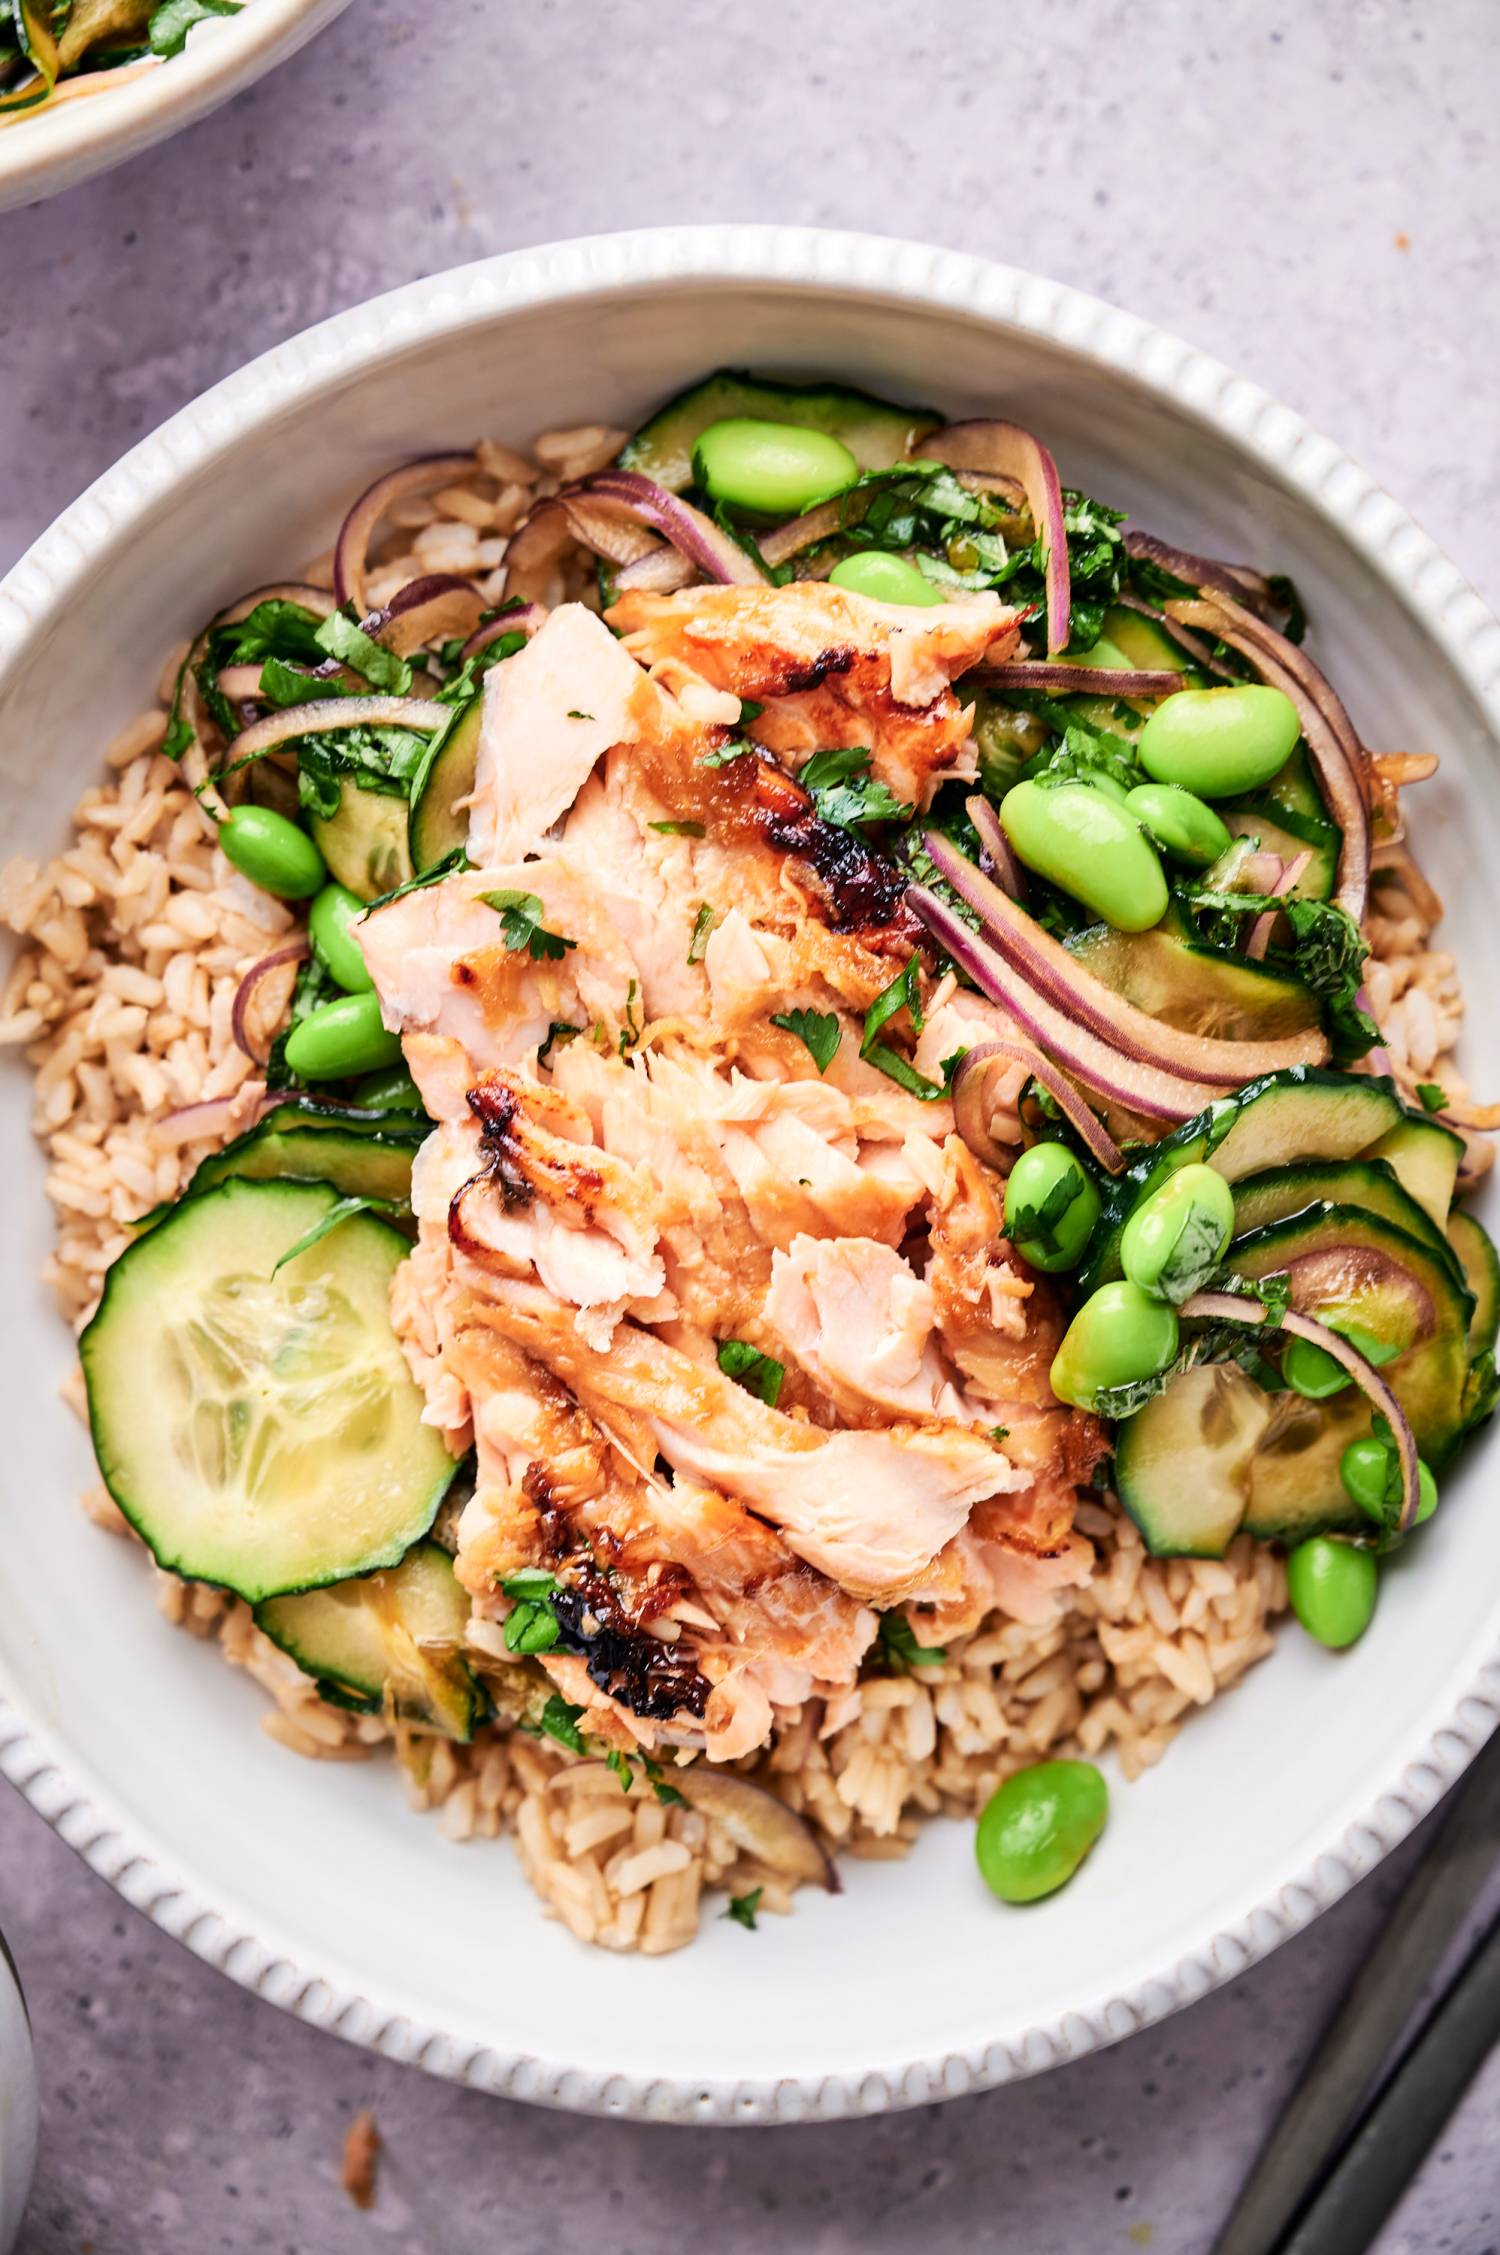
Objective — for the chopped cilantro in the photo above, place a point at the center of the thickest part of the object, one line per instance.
(342, 1211)
(457, 859)
(559, 1720)
(531, 1626)
(999, 1433)
(1433, 1095)
(742, 1908)
(522, 928)
(668, 1795)
(677, 829)
(703, 924)
(580, 716)
(759, 1374)
(818, 1031)
(727, 752)
(340, 638)
(899, 1647)
(902, 994)
(634, 1025)
(846, 793)
(559, 1034)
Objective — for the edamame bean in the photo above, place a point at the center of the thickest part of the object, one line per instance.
(1369, 1471)
(1118, 1336)
(1183, 826)
(392, 1091)
(272, 852)
(341, 1038)
(1311, 1371)
(1219, 742)
(1051, 1207)
(775, 469)
(884, 578)
(334, 944)
(1175, 1237)
(1035, 1832)
(1332, 1588)
(1105, 654)
(1079, 839)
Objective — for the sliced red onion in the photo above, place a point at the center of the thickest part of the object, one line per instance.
(239, 1019)
(523, 618)
(1234, 1307)
(1341, 761)
(1009, 874)
(1191, 645)
(1126, 1083)
(1242, 581)
(218, 1117)
(697, 537)
(1005, 450)
(971, 1109)
(1049, 970)
(432, 609)
(806, 531)
(1086, 681)
(351, 553)
(326, 713)
(240, 684)
(1261, 929)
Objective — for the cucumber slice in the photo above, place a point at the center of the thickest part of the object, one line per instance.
(393, 1638)
(1294, 788)
(877, 432)
(1426, 1155)
(1182, 1461)
(1481, 1266)
(1223, 997)
(355, 1165)
(261, 1432)
(1263, 820)
(439, 826)
(1143, 642)
(1305, 1112)
(396, 1122)
(1210, 1420)
(1370, 1183)
(365, 843)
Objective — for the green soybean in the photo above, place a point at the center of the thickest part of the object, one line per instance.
(1369, 1471)
(272, 852)
(1119, 1336)
(340, 1039)
(774, 469)
(1051, 1207)
(1177, 1235)
(885, 578)
(1035, 1832)
(333, 942)
(1219, 742)
(1080, 840)
(1311, 1371)
(1184, 826)
(1332, 1588)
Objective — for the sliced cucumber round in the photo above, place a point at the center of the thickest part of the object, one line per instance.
(1371, 1184)
(357, 1166)
(1426, 1155)
(256, 1423)
(439, 825)
(1481, 1266)
(365, 843)
(1222, 997)
(392, 1640)
(877, 433)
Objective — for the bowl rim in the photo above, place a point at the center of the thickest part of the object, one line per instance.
(41, 155)
(1426, 1761)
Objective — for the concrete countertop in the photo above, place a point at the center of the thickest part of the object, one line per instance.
(1307, 193)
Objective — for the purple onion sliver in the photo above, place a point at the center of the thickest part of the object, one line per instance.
(1005, 450)
(1083, 680)
(353, 545)
(1241, 581)
(1261, 929)
(245, 991)
(970, 1112)
(1009, 875)
(524, 619)
(325, 713)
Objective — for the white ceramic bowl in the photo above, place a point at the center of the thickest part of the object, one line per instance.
(18, 2103)
(74, 139)
(312, 1884)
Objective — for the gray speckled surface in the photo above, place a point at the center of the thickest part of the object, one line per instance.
(1306, 192)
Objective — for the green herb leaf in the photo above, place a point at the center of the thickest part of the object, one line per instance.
(340, 638)
(173, 21)
(703, 924)
(759, 1374)
(668, 1795)
(521, 926)
(678, 829)
(845, 793)
(902, 994)
(742, 1908)
(737, 749)
(1433, 1095)
(818, 1031)
(634, 1025)
(457, 859)
(345, 1209)
(529, 1582)
(559, 1720)
(283, 684)
(1038, 1224)
(559, 1034)
(580, 716)
(620, 1764)
(899, 1647)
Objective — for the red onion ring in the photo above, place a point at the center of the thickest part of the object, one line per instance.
(1192, 645)
(1239, 580)
(426, 610)
(1260, 930)
(1086, 681)
(697, 537)
(806, 531)
(1009, 874)
(1129, 1084)
(1342, 764)
(1005, 450)
(213, 1116)
(1233, 1307)
(351, 551)
(970, 1110)
(1050, 971)
(244, 995)
(525, 618)
(326, 713)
